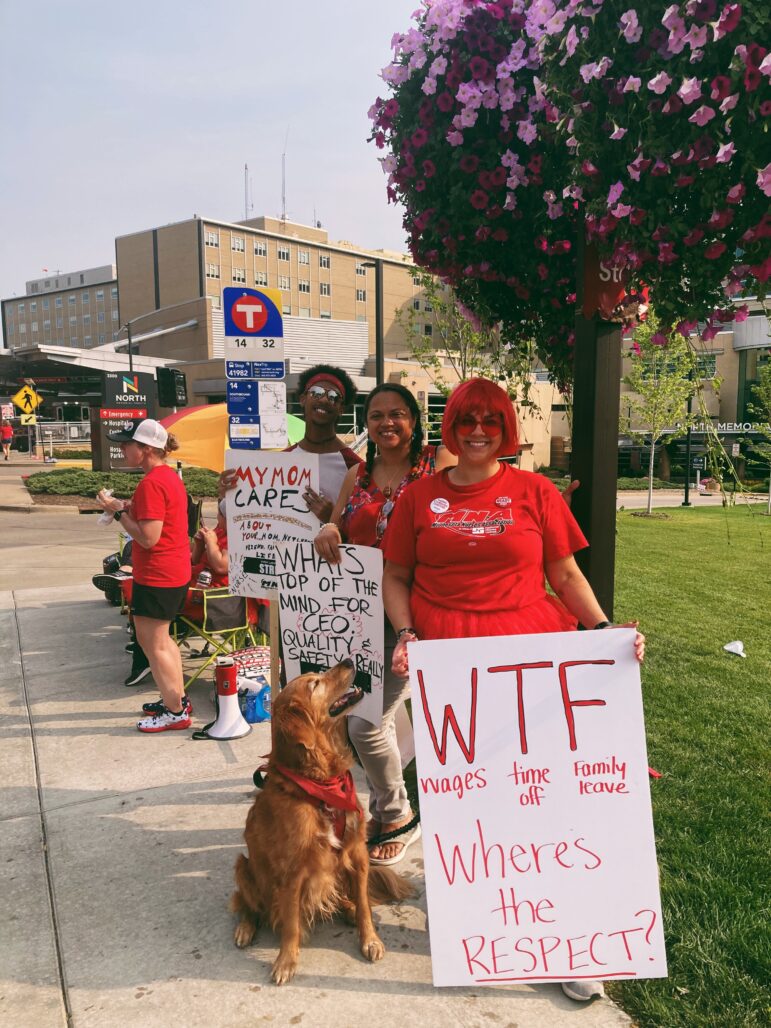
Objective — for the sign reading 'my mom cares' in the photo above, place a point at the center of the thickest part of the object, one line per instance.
(265, 508)
(538, 836)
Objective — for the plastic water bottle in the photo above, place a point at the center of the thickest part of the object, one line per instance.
(106, 517)
(263, 696)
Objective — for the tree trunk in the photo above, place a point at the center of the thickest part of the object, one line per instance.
(650, 476)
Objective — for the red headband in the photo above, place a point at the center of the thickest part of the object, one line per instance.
(326, 377)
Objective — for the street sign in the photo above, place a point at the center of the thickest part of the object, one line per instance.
(255, 369)
(28, 419)
(6, 409)
(27, 400)
(736, 449)
(699, 463)
(253, 312)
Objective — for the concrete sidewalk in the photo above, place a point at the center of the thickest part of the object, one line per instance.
(117, 862)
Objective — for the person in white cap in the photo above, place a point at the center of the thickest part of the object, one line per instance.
(156, 519)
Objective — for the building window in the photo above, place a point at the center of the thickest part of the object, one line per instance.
(47, 325)
(114, 292)
(34, 326)
(86, 319)
(325, 314)
(100, 294)
(283, 253)
(10, 328)
(45, 304)
(58, 302)
(101, 340)
(361, 317)
(33, 307)
(305, 312)
(416, 305)
(260, 248)
(360, 269)
(212, 239)
(239, 274)
(73, 340)
(428, 330)
(100, 317)
(303, 257)
(237, 244)
(85, 299)
(284, 282)
(71, 300)
(212, 271)
(304, 285)
(260, 278)
(325, 260)
(361, 294)
(325, 288)
(22, 329)
(87, 340)
(73, 321)
(216, 302)
(20, 308)
(114, 315)
(60, 322)
(428, 306)
(416, 280)
(286, 308)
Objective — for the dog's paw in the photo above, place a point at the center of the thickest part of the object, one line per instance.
(243, 934)
(283, 969)
(373, 949)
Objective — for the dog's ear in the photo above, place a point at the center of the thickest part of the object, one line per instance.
(295, 734)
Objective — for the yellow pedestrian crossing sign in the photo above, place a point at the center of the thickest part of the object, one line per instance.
(28, 419)
(27, 400)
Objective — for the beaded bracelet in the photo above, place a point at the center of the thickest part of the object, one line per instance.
(405, 631)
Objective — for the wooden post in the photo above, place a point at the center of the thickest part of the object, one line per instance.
(594, 458)
(275, 641)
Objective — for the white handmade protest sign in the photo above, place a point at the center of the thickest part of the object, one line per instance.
(333, 611)
(266, 507)
(539, 852)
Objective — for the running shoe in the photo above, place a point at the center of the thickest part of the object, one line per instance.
(165, 721)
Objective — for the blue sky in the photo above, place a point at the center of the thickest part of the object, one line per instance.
(119, 117)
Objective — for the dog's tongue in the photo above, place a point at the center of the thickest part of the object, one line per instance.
(345, 701)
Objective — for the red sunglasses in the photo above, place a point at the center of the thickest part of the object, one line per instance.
(491, 425)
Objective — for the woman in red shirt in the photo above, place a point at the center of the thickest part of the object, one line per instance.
(469, 550)
(396, 457)
(6, 436)
(156, 519)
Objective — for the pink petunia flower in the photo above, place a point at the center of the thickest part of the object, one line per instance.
(728, 20)
(630, 28)
(615, 192)
(636, 348)
(725, 153)
(445, 102)
(454, 138)
(659, 339)
(721, 219)
(764, 180)
(729, 103)
(720, 87)
(479, 199)
(694, 236)
(690, 90)
(741, 313)
(736, 193)
(429, 169)
(632, 84)
(666, 253)
(659, 83)
(702, 115)
(618, 132)
(621, 210)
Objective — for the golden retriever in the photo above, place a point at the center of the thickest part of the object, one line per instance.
(307, 854)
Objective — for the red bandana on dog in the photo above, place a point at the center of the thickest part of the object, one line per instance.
(336, 794)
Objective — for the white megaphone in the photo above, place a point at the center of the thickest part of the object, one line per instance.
(736, 647)
(230, 722)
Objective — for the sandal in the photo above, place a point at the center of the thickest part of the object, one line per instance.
(404, 841)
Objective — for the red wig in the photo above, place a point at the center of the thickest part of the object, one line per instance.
(480, 396)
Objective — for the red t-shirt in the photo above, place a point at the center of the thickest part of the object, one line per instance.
(481, 547)
(6, 432)
(161, 496)
(217, 581)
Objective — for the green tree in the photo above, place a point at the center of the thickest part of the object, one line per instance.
(761, 410)
(661, 377)
(460, 344)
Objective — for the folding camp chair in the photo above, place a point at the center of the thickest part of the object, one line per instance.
(225, 626)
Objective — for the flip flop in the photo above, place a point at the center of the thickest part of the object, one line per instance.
(405, 840)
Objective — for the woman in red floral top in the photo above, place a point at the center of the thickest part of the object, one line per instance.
(396, 457)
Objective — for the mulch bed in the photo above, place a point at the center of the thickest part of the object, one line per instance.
(84, 503)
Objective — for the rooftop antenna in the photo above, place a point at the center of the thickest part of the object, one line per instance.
(246, 192)
(283, 178)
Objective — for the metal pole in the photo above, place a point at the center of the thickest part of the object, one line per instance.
(130, 355)
(379, 347)
(686, 501)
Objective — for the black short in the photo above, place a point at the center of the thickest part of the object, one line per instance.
(158, 602)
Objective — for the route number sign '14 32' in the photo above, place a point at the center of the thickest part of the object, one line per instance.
(254, 328)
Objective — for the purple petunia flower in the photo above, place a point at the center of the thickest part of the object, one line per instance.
(659, 83)
(715, 250)
(479, 199)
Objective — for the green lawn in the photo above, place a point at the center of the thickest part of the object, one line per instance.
(696, 582)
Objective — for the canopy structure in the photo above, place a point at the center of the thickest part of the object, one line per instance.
(202, 433)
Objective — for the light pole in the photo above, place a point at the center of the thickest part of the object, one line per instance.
(127, 326)
(686, 498)
(377, 264)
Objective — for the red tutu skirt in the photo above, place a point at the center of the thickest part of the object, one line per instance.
(545, 615)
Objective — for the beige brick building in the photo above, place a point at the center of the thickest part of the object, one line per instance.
(77, 308)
